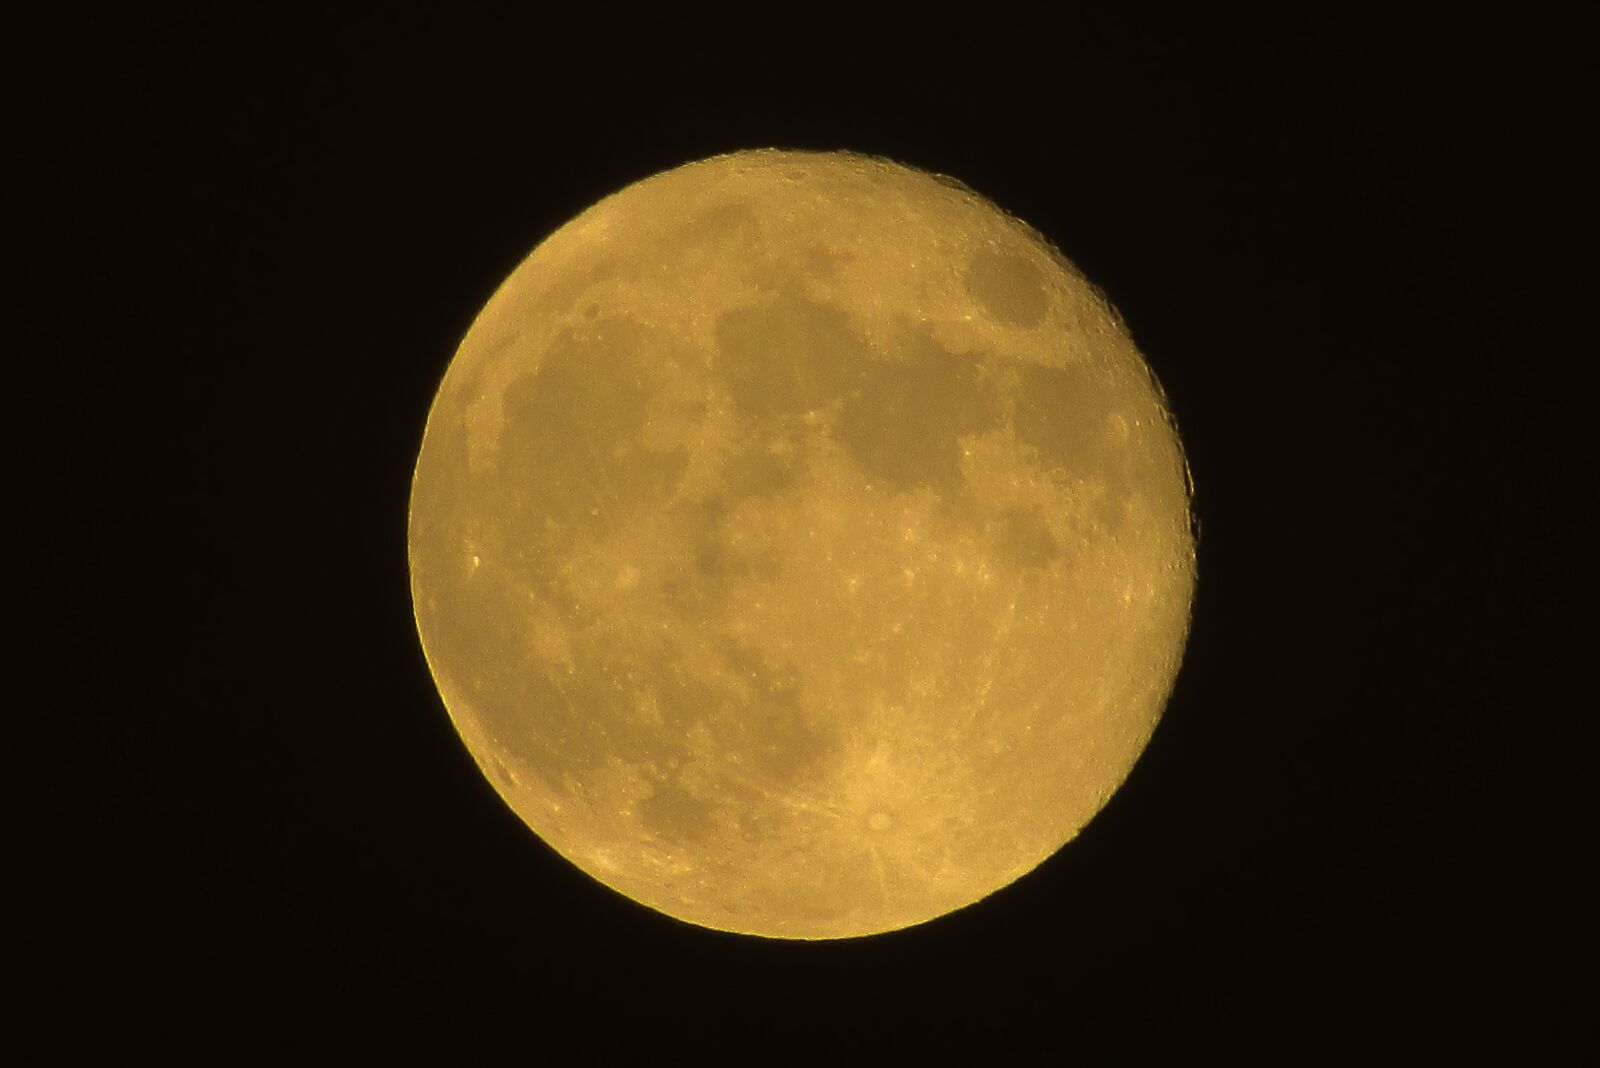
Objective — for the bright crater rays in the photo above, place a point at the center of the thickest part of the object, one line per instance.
(800, 545)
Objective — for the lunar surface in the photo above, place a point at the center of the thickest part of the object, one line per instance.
(800, 545)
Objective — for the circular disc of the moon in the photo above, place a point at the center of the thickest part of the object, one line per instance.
(800, 545)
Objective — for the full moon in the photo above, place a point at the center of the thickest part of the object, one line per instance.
(800, 545)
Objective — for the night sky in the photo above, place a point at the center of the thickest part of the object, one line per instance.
(250, 252)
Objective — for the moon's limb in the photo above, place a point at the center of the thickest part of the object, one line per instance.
(800, 545)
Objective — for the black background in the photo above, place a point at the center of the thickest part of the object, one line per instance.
(254, 822)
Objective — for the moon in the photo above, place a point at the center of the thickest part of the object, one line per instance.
(800, 545)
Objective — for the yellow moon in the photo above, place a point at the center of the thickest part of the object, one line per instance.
(800, 545)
